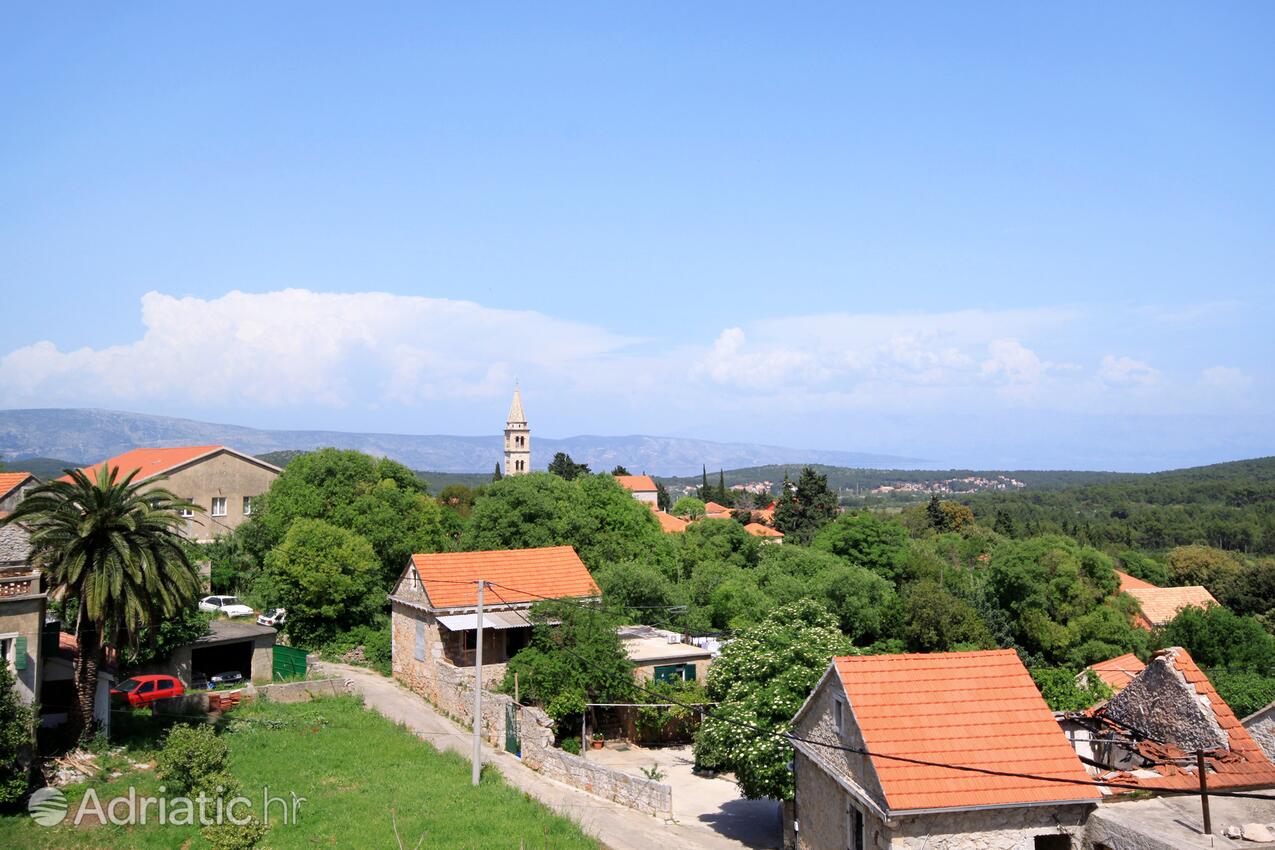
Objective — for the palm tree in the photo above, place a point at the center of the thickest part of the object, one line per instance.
(113, 550)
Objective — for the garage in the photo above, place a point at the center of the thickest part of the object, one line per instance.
(236, 645)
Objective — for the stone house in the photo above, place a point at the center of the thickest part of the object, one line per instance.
(1261, 727)
(641, 486)
(220, 480)
(1149, 734)
(22, 602)
(663, 656)
(434, 612)
(975, 709)
(13, 489)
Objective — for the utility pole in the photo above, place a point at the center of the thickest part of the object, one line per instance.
(1204, 791)
(478, 688)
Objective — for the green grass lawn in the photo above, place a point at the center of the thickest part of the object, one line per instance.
(353, 767)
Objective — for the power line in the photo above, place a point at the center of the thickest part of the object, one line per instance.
(862, 751)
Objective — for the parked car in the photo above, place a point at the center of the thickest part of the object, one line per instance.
(228, 605)
(229, 677)
(143, 690)
(273, 617)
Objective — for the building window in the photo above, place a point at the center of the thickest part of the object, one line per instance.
(13, 651)
(420, 641)
(219, 506)
(674, 673)
(839, 717)
(186, 512)
(247, 505)
(1053, 841)
(854, 822)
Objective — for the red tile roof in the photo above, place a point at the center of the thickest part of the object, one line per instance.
(1243, 766)
(758, 530)
(525, 575)
(637, 483)
(1118, 672)
(714, 509)
(10, 481)
(1128, 582)
(148, 462)
(980, 709)
(668, 522)
(1159, 605)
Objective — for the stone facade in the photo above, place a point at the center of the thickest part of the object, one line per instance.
(517, 439)
(643, 795)
(21, 629)
(838, 791)
(9, 501)
(1261, 727)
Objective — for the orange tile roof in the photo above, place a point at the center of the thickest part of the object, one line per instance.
(1161, 604)
(758, 530)
(10, 481)
(711, 508)
(1118, 672)
(148, 462)
(1128, 582)
(637, 483)
(980, 709)
(526, 575)
(1243, 766)
(670, 523)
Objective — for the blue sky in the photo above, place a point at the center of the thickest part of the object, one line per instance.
(976, 233)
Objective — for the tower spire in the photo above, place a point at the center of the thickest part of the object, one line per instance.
(517, 438)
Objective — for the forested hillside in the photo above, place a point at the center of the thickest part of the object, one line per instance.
(1227, 505)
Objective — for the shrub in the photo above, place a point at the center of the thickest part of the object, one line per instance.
(571, 744)
(193, 758)
(230, 836)
(16, 725)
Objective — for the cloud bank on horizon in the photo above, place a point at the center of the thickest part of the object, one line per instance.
(437, 365)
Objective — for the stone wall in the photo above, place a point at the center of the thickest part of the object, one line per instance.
(303, 691)
(1261, 726)
(643, 795)
(990, 829)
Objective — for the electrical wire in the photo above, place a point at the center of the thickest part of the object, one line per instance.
(862, 751)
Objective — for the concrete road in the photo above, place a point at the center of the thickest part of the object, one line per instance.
(615, 826)
(713, 804)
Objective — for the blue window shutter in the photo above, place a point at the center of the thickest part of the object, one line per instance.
(20, 653)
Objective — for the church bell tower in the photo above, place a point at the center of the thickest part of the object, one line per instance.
(517, 439)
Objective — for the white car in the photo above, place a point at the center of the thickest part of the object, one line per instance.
(228, 605)
(273, 617)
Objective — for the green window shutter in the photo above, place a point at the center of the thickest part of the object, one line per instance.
(667, 673)
(20, 653)
(688, 674)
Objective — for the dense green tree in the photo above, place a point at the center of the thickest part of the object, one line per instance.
(1251, 590)
(575, 657)
(114, 546)
(232, 568)
(17, 738)
(327, 577)
(689, 507)
(379, 499)
(719, 541)
(565, 468)
(1143, 566)
(1062, 691)
(760, 680)
(620, 470)
(1203, 565)
(937, 620)
(866, 540)
(860, 600)
(1218, 637)
(805, 508)
(1105, 632)
(593, 513)
(662, 499)
(638, 587)
(157, 642)
(1044, 583)
(497, 475)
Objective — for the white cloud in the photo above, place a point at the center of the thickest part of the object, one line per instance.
(296, 346)
(1126, 372)
(1010, 359)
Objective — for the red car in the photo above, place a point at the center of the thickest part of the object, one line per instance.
(143, 690)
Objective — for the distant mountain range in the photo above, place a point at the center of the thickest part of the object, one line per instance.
(87, 435)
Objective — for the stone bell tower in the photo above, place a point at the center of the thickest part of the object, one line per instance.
(517, 439)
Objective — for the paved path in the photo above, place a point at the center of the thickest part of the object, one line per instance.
(614, 825)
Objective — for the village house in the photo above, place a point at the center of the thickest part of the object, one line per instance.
(661, 655)
(14, 487)
(434, 618)
(220, 480)
(977, 709)
(716, 510)
(1158, 605)
(641, 486)
(668, 523)
(1117, 672)
(1261, 726)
